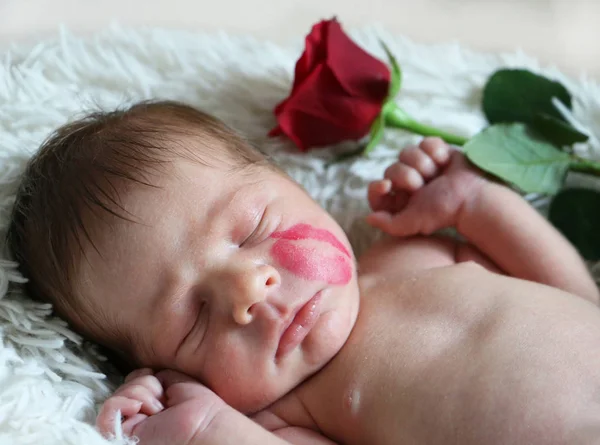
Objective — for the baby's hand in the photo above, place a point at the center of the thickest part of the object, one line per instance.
(166, 407)
(137, 399)
(424, 191)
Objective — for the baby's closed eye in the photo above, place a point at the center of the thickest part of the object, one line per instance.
(196, 324)
(257, 230)
(251, 238)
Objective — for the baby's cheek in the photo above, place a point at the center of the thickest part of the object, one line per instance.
(310, 264)
(236, 372)
(224, 371)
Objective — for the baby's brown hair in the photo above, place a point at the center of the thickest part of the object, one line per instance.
(74, 182)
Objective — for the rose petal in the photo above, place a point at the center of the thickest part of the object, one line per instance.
(307, 131)
(276, 131)
(314, 53)
(338, 90)
(359, 73)
(322, 98)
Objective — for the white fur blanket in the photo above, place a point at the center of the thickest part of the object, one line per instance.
(51, 381)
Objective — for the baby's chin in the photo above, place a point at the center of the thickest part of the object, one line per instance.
(328, 337)
(325, 340)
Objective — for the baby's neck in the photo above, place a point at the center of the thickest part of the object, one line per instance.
(326, 402)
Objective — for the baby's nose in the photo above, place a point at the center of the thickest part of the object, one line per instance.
(252, 287)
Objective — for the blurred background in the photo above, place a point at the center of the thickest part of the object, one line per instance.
(563, 33)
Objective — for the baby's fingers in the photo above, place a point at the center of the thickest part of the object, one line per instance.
(133, 421)
(396, 225)
(112, 410)
(180, 388)
(150, 403)
(403, 177)
(138, 373)
(149, 382)
(377, 193)
(168, 378)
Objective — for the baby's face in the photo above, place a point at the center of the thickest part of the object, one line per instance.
(238, 279)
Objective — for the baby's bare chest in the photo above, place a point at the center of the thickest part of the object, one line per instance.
(428, 354)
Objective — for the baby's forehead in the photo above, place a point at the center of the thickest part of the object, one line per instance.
(155, 212)
(163, 201)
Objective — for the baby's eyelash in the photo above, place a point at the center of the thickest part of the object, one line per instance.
(256, 229)
(243, 243)
(197, 315)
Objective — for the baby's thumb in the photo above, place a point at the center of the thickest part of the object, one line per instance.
(399, 224)
(168, 377)
(180, 388)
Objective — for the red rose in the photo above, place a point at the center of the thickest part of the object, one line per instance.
(338, 90)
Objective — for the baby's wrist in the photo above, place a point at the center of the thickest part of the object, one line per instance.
(231, 426)
(217, 427)
(483, 192)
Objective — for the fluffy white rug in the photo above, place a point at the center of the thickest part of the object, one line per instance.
(51, 381)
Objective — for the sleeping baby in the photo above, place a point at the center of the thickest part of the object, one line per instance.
(237, 301)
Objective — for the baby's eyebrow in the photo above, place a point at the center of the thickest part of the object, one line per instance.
(255, 194)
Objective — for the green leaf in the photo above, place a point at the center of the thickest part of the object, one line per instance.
(512, 153)
(376, 133)
(576, 213)
(557, 131)
(396, 72)
(513, 95)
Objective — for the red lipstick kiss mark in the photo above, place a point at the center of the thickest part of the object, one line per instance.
(306, 231)
(306, 261)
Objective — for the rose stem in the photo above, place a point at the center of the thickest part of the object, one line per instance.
(396, 117)
(585, 166)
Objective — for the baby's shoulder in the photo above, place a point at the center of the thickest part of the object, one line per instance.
(426, 282)
(405, 256)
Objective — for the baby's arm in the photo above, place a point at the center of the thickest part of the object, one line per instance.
(434, 187)
(258, 432)
(521, 242)
(169, 408)
(236, 429)
(292, 434)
